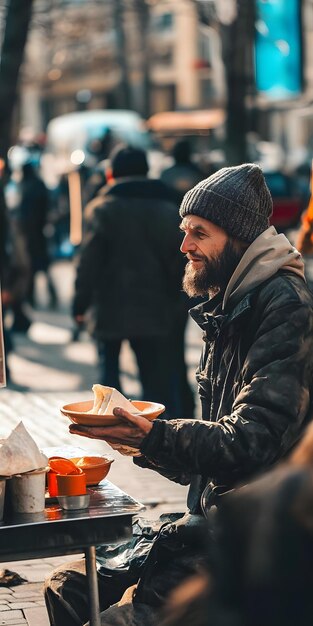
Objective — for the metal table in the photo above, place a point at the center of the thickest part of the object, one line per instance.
(58, 532)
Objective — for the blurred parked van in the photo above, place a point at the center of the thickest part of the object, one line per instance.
(86, 137)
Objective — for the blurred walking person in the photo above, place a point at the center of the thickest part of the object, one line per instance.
(184, 174)
(14, 275)
(130, 272)
(32, 217)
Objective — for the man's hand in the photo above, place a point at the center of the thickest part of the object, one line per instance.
(131, 433)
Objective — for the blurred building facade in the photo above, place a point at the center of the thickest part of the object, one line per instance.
(88, 55)
(150, 57)
(287, 120)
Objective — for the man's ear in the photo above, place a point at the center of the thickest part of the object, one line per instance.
(239, 245)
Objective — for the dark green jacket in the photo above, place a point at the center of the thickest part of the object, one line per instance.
(256, 388)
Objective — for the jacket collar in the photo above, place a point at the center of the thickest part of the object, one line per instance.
(209, 316)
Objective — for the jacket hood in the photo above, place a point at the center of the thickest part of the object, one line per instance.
(138, 187)
(267, 254)
(127, 189)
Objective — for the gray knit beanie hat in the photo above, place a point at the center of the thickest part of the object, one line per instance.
(235, 198)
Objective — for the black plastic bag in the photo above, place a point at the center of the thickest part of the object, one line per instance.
(122, 564)
(181, 549)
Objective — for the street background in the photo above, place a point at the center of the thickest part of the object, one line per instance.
(234, 77)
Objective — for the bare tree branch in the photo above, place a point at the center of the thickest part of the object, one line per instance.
(17, 22)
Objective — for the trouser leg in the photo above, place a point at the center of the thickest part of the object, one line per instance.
(182, 395)
(154, 369)
(108, 353)
(51, 288)
(21, 321)
(130, 615)
(66, 594)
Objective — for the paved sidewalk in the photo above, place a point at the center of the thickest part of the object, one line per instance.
(24, 604)
(46, 361)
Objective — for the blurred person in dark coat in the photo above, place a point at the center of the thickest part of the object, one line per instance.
(184, 174)
(181, 177)
(130, 274)
(14, 275)
(33, 216)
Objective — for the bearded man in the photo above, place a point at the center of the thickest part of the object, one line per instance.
(254, 378)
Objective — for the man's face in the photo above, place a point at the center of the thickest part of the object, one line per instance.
(211, 254)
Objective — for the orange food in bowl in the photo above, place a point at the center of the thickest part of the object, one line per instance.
(59, 465)
(96, 468)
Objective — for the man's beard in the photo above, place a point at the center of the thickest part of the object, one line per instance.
(214, 274)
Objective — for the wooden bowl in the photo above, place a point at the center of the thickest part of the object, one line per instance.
(96, 468)
(77, 412)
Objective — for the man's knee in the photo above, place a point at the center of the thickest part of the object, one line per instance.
(129, 615)
(66, 576)
(66, 594)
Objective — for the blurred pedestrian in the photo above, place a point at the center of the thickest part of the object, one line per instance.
(60, 215)
(33, 216)
(184, 174)
(94, 182)
(3, 263)
(14, 276)
(130, 273)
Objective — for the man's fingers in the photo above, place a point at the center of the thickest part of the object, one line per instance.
(84, 431)
(130, 431)
(99, 432)
(93, 432)
(137, 420)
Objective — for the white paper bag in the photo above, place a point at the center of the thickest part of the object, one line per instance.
(19, 453)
